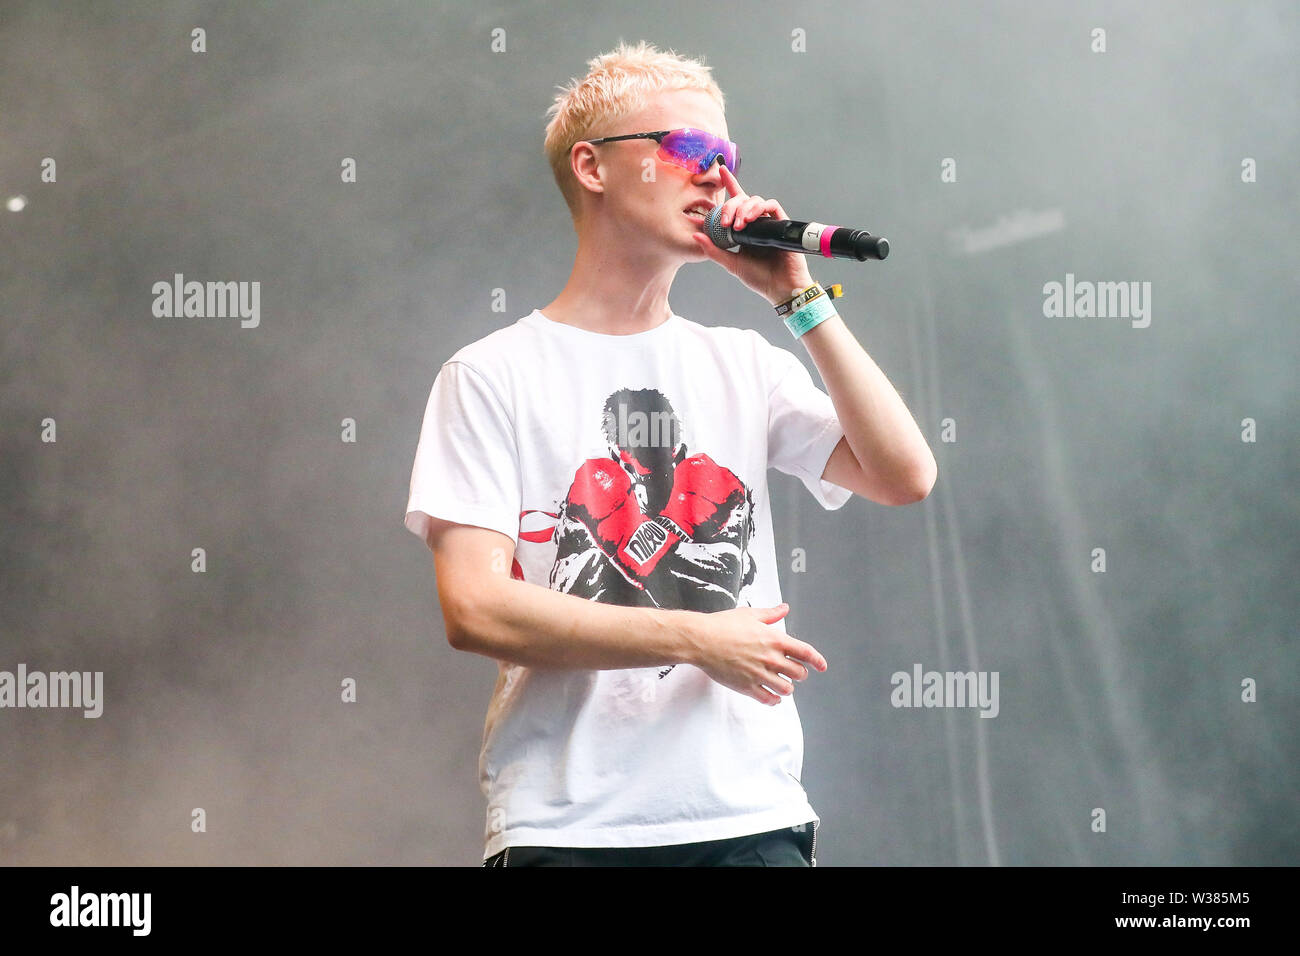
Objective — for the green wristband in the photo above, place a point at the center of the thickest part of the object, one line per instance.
(812, 314)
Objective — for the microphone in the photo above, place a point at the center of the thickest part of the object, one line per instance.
(838, 242)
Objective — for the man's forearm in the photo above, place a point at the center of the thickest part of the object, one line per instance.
(528, 624)
(882, 433)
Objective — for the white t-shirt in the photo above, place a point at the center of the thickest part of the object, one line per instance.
(515, 439)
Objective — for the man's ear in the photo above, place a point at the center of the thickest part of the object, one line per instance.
(585, 166)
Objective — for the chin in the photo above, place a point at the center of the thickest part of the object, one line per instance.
(692, 242)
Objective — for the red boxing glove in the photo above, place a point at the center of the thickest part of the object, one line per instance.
(703, 495)
(604, 499)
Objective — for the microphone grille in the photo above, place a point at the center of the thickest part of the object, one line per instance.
(717, 231)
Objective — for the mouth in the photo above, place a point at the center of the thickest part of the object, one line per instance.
(697, 212)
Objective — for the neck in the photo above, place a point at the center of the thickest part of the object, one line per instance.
(618, 285)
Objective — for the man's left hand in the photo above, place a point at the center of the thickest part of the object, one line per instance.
(772, 273)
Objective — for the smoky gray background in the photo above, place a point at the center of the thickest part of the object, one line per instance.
(222, 690)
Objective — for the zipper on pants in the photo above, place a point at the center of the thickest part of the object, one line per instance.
(814, 844)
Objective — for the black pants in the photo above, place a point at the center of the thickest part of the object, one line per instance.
(788, 846)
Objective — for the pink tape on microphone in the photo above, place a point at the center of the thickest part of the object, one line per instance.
(826, 239)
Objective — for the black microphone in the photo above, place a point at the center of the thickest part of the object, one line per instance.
(810, 238)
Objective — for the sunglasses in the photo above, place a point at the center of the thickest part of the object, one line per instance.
(692, 149)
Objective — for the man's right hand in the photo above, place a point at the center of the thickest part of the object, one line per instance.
(739, 650)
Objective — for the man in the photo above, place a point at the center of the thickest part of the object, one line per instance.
(592, 482)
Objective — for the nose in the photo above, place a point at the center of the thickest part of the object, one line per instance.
(711, 175)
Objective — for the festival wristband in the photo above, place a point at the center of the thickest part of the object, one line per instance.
(804, 296)
(814, 313)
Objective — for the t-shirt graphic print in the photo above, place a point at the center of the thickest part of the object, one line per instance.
(652, 524)
(629, 470)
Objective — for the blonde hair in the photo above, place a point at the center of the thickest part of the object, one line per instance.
(617, 83)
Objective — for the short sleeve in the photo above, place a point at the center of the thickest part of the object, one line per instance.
(467, 461)
(802, 428)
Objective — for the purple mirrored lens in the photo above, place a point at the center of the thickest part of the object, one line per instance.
(698, 150)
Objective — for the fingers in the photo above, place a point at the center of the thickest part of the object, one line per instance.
(774, 682)
(765, 696)
(766, 665)
(804, 653)
(731, 183)
(779, 685)
(743, 210)
(792, 667)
